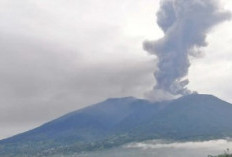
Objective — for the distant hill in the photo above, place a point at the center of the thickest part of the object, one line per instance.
(122, 120)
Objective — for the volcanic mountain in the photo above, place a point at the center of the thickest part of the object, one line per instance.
(122, 120)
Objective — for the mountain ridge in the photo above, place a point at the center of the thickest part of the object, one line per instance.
(117, 121)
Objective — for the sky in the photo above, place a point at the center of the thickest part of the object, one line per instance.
(61, 55)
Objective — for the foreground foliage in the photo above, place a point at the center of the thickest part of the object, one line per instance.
(226, 154)
(223, 155)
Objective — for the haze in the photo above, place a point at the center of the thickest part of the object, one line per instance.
(59, 56)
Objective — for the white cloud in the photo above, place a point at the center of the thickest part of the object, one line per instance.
(57, 56)
(212, 72)
(60, 55)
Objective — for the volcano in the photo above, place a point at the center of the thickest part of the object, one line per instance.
(119, 121)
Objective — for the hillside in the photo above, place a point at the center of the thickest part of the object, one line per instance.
(122, 120)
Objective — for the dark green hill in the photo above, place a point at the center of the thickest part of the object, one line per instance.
(118, 121)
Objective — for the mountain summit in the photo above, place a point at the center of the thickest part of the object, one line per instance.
(121, 120)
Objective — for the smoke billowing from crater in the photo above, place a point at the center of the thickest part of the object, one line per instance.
(185, 24)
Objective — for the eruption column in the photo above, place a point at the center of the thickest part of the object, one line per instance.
(185, 24)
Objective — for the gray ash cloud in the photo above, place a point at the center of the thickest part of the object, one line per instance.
(185, 24)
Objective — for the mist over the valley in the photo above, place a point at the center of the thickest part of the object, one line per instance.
(161, 117)
(160, 148)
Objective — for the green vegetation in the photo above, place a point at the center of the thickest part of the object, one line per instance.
(222, 155)
(115, 122)
(226, 154)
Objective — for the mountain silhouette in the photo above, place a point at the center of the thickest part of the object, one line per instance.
(122, 120)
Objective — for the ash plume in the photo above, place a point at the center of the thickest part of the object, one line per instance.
(185, 24)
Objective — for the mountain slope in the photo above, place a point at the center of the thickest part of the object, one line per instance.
(118, 121)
